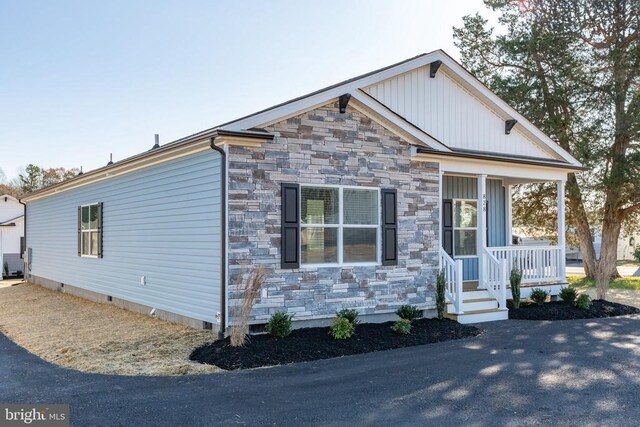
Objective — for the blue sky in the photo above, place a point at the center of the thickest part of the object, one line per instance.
(82, 79)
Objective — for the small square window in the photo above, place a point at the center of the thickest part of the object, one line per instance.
(465, 214)
(319, 245)
(319, 205)
(360, 206)
(360, 244)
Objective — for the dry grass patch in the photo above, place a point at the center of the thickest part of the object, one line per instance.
(92, 337)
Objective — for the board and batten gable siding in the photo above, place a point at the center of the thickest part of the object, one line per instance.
(161, 222)
(444, 109)
(460, 187)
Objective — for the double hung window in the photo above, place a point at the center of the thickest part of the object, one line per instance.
(339, 225)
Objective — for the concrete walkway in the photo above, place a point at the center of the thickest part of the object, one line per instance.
(579, 372)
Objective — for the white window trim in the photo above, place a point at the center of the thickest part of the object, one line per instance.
(340, 226)
(82, 254)
(454, 228)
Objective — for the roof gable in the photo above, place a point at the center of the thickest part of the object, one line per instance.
(450, 113)
(8, 197)
(10, 209)
(459, 80)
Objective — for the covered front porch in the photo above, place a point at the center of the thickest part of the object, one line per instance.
(477, 251)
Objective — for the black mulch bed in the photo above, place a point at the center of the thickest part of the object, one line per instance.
(559, 310)
(316, 343)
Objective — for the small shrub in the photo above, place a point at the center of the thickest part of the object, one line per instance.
(583, 302)
(636, 253)
(279, 325)
(5, 269)
(350, 314)
(515, 279)
(409, 312)
(342, 329)
(19, 273)
(402, 327)
(441, 304)
(539, 296)
(568, 295)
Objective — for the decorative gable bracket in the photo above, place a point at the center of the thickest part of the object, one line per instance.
(508, 125)
(343, 102)
(435, 65)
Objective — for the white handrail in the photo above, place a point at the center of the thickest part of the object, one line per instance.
(538, 264)
(453, 280)
(495, 280)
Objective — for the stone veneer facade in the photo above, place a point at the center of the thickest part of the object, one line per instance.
(324, 146)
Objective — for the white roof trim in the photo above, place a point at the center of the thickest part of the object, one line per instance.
(290, 109)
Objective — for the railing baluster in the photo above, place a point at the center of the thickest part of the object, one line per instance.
(538, 264)
(453, 280)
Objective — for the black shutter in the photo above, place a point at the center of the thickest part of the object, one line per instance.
(79, 230)
(99, 230)
(290, 233)
(389, 226)
(447, 226)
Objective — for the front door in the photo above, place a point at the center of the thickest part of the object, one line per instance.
(460, 232)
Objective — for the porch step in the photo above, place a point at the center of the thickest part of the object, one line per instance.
(474, 304)
(479, 316)
(479, 294)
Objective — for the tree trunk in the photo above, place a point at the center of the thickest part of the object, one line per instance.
(581, 224)
(608, 255)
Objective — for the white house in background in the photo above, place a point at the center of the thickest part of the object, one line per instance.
(627, 242)
(626, 246)
(11, 233)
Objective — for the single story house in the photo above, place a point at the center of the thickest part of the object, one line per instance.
(11, 235)
(355, 196)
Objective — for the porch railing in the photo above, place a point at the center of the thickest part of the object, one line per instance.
(453, 280)
(539, 264)
(494, 277)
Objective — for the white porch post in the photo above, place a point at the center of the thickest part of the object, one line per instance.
(1, 257)
(440, 238)
(561, 230)
(481, 234)
(508, 197)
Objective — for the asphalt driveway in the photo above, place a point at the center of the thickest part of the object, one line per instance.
(517, 373)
